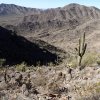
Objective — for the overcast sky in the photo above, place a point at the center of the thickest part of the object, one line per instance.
(51, 3)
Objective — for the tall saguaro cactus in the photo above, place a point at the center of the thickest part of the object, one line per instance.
(81, 49)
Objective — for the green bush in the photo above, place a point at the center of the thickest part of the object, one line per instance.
(98, 62)
(21, 67)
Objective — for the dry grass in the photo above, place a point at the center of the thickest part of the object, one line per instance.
(88, 60)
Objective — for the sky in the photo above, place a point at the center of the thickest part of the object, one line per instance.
(51, 3)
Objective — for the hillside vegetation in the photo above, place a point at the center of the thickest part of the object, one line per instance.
(51, 54)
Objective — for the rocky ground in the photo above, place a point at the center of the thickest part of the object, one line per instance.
(50, 83)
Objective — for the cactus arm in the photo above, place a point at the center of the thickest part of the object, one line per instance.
(79, 50)
(84, 49)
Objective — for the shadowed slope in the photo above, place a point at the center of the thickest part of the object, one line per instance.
(16, 49)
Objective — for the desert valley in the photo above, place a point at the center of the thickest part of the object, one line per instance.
(49, 54)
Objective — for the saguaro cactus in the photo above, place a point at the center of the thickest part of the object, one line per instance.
(81, 49)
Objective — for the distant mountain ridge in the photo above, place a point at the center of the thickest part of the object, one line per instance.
(33, 18)
(12, 9)
(60, 26)
(69, 16)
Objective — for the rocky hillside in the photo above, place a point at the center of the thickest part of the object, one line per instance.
(33, 19)
(16, 49)
(50, 83)
(63, 26)
(11, 14)
(11, 9)
(60, 26)
(36, 37)
(69, 16)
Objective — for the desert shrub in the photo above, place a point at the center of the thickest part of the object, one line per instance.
(50, 64)
(92, 97)
(53, 87)
(21, 67)
(97, 87)
(39, 81)
(88, 59)
(98, 62)
(96, 94)
(72, 62)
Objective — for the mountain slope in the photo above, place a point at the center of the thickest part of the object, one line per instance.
(16, 49)
(69, 16)
(60, 26)
(11, 9)
(12, 14)
(35, 19)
